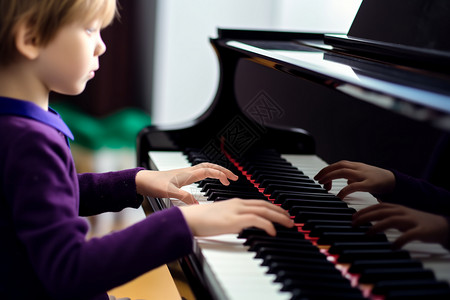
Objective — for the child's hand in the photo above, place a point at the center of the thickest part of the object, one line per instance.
(360, 177)
(231, 216)
(167, 184)
(415, 224)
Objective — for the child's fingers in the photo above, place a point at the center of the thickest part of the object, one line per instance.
(177, 193)
(272, 216)
(374, 207)
(375, 212)
(224, 170)
(351, 188)
(405, 238)
(252, 220)
(343, 164)
(267, 211)
(265, 204)
(398, 222)
(349, 174)
(199, 174)
(202, 173)
(186, 197)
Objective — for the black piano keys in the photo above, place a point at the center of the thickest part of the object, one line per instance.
(214, 190)
(305, 259)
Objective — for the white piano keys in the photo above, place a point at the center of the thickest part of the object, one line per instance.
(238, 275)
(169, 160)
(241, 276)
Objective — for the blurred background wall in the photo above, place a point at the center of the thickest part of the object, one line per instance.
(185, 74)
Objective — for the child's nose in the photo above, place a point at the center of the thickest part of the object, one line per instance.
(101, 48)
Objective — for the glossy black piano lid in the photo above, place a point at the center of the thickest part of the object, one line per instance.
(419, 94)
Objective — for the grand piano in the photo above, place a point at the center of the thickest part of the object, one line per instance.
(287, 105)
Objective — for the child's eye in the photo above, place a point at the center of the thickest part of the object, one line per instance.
(92, 27)
(91, 30)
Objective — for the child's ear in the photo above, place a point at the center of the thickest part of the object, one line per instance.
(26, 42)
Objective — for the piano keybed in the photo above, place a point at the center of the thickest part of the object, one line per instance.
(323, 257)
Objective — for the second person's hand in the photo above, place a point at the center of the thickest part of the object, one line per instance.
(414, 224)
(360, 177)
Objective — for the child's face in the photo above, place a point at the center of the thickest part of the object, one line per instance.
(71, 58)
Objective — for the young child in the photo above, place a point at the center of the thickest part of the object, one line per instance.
(54, 45)
(413, 206)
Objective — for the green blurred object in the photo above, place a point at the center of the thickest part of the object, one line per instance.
(117, 130)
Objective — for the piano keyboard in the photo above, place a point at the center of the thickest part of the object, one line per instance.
(233, 272)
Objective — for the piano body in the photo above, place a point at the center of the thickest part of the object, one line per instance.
(286, 100)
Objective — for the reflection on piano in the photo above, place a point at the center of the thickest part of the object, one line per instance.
(287, 105)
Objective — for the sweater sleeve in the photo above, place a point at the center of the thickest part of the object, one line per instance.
(108, 192)
(42, 195)
(419, 194)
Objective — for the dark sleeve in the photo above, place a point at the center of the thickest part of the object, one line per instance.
(106, 192)
(419, 194)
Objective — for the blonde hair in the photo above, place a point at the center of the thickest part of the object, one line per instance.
(45, 18)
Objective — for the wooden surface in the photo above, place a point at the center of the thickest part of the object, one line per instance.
(155, 284)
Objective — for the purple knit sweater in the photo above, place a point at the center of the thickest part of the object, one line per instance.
(44, 253)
